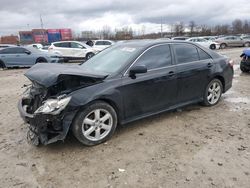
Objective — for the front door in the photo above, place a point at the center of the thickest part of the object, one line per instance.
(153, 91)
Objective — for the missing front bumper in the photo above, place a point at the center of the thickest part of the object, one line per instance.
(45, 128)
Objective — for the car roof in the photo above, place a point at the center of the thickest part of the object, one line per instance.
(150, 42)
(144, 44)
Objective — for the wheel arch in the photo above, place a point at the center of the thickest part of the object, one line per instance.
(221, 78)
(109, 101)
(39, 58)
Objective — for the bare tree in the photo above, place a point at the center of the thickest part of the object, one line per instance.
(192, 26)
(237, 26)
(179, 29)
(205, 30)
(246, 27)
(106, 32)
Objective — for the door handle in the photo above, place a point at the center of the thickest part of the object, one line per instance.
(209, 65)
(171, 73)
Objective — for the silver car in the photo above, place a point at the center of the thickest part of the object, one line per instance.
(232, 41)
(25, 57)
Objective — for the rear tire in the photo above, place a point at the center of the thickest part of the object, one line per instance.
(89, 55)
(213, 92)
(41, 60)
(247, 44)
(223, 46)
(2, 65)
(95, 124)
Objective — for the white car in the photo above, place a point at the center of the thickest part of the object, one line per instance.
(100, 44)
(73, 50)
(206, 43)
(44, 48)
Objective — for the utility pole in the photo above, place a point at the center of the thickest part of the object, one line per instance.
(41, 21)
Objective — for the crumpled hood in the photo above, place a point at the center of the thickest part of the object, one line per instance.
(49, 74)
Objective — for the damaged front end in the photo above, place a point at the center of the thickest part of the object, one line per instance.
(45, 105)
(48, 121)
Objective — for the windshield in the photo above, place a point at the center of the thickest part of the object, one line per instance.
(111, 60)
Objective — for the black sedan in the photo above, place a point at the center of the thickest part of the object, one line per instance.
(126, 82)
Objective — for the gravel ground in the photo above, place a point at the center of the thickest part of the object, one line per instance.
(191, 147)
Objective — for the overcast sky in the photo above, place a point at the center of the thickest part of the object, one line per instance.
(16, 15)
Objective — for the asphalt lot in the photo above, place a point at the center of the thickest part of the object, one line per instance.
(192, 147)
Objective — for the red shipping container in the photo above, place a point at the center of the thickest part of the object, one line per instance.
(66, 34)
(40, 38)
(53, 31)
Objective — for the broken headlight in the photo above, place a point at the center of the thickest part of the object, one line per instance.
(53, 106)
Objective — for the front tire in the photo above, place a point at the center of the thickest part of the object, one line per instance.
(223, 46)
(212, 47)
(95, 124)
(242, 68)
(213, 93)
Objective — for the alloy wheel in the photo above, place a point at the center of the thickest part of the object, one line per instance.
(214, 93)
(97, 124)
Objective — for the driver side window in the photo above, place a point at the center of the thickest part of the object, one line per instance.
(156, 57)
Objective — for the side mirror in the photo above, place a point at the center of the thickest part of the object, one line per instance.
(137, 70)
(27, 52)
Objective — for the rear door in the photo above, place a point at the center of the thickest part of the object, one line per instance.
(194, 66)
(64, 48)
(152, 91)
(78, 50)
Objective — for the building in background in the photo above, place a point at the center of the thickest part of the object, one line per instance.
(12, 39)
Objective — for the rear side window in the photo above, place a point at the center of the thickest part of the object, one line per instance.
(203, 55)
(13, 51)
(99, 43)
(106, 43)
(186, 53)
(76, 45)
(156, 57)
(62, 45)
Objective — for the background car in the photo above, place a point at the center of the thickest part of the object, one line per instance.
(25, 57)
(210, 38)
(179, 38)
(245, 61)
(232, 41)
(100, 44)
(73, 50)
(36, 45)
(123, 83)
(206, 43)
(6, 45)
